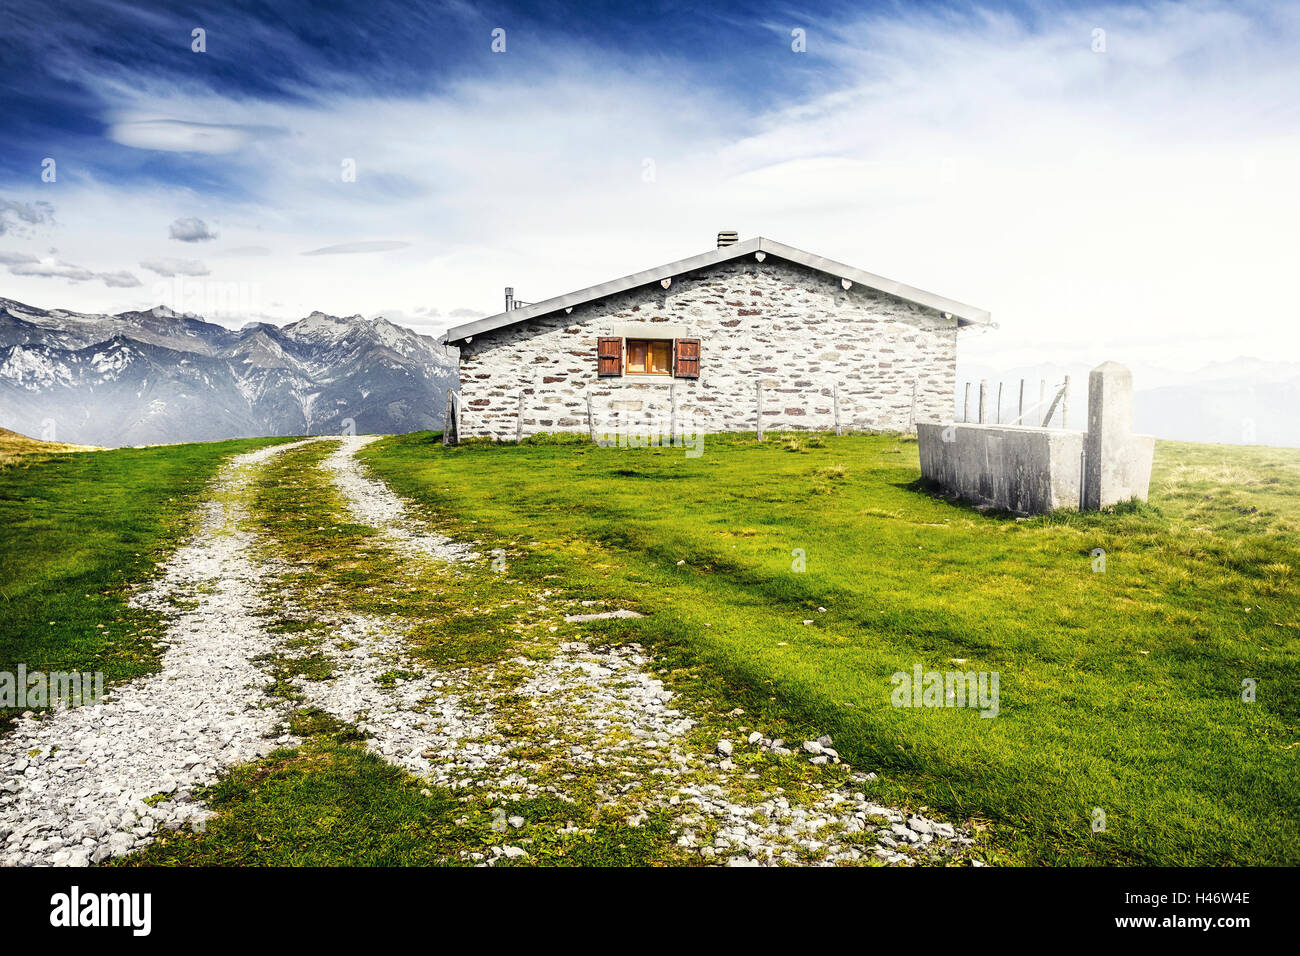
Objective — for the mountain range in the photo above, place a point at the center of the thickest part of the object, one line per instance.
(158, 376)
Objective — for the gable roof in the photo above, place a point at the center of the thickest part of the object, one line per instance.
(965, 314)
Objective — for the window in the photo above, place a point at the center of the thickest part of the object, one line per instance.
(668, 357)
(650, 356)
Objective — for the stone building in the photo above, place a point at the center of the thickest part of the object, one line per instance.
(698, 345)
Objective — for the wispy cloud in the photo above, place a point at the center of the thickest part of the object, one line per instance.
(180, 135)
(120, 280)
(166, 266)
(26, 265)
(17, 218)
(349, 248)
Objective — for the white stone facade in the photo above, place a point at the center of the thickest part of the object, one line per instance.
(794, 329)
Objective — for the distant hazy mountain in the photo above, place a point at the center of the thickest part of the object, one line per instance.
(1246, 401)
(154, 377)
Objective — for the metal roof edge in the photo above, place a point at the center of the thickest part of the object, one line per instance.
(965, 314)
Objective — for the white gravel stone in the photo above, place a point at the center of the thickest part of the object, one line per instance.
(207, 700)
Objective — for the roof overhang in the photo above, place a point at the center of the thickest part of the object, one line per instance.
(965, 314)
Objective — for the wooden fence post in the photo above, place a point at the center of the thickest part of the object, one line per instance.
(758, 388)
(591, 422)
(835, 404)
(446, 420)
(1065, 404)
(1042, 397)
(911, 415)
(965, 405)
(519, 419)
(998, 420)
(1020, 409)
(1051, 409)
(672, 421)
(984, 388)
(455, 406)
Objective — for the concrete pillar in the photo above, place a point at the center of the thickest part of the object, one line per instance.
(1108, 446)
(984, 392)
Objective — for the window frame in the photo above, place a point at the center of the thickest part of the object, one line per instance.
(668, 343)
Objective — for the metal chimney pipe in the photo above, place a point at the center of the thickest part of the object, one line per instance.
(510, 298)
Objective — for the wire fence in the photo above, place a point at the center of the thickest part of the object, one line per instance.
(989, 404)
(655, 415)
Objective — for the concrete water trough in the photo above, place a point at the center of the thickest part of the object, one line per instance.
(1031, 470)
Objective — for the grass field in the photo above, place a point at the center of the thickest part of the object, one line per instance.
(79, 531)
(15, 447)
(1121, 692)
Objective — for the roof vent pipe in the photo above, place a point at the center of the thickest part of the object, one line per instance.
(728, 238)
(510, 298)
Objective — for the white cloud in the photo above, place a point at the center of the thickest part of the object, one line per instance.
(167, 266)
(17, 218)
(52, 269)
(349, 248)
(178, 136)
(24, 265)
(119, 280)
(191, 229)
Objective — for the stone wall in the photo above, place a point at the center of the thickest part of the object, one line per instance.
(796, 330)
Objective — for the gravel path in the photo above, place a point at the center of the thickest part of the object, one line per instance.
(74, 783)
(589, 708)
(595, 721)
(373, 504)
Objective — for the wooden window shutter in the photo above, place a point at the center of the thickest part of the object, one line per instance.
(609, 356)
(688, 359)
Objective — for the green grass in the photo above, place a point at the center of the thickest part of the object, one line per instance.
(80, 530)
(328, 804)
(1119, 690)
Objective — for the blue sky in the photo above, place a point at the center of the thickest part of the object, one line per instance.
(65, 62)
(1134, 200)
